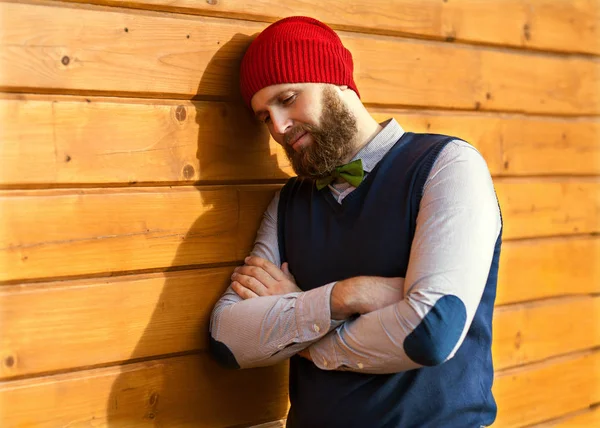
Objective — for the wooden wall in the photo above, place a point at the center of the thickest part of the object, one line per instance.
(132, 180)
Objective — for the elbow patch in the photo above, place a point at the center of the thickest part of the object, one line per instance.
(438, 333)
(222, 354)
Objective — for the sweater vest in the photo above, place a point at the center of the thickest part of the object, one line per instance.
(370, 233)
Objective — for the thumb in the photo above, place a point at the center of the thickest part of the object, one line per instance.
(286, 268)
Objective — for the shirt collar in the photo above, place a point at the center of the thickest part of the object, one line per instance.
(377, 148)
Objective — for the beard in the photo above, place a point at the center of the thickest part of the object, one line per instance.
(333, 139)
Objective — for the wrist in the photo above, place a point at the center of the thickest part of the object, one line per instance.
(342, 301)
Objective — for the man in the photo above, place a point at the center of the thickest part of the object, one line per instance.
(375, 270)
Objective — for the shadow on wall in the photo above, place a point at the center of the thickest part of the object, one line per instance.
(191, 389)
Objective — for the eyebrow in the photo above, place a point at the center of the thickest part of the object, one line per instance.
(271, 101)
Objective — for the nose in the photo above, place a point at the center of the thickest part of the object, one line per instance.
(281, 122)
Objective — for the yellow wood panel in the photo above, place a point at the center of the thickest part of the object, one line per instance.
(190, 391)
(99, 140)
(589, 418)
(582, 419)
(540, 268)
(534, 208)
(569, 26)
(58, 233)
(135, 140)
(88, 50)
(523, 333)
(547, 390)
(100, 321)
(539, 24)
(193, 391)
(515, 145)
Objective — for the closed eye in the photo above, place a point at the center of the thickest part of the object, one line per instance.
(289, 100)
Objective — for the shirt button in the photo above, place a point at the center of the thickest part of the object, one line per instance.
(360, 365)
(324, 362)
(316, 328)
(281, 346)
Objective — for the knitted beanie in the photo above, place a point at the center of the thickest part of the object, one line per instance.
(297, 49)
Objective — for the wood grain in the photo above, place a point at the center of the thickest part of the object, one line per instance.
(88, 50)
(581, 419)
(193, 391)
(60, 233)
(108, 320)
(101, 321)
(79, 140)
(589, 418)
(540, 392)
(541, 268)
(536, 208)
(189, 391)
(569, 26)
(530, 332)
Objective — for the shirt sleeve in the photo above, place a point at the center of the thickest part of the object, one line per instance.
(265, 330)
(457, 228)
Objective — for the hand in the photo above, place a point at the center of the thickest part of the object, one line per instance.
(260, 277)
(364, 294)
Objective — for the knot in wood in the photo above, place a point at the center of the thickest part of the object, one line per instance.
(188, 172)
(180, 113)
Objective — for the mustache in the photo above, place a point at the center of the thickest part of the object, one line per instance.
(294, 134)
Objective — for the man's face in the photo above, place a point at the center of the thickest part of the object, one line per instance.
(311, 122)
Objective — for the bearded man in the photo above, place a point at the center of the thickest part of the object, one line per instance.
(374, 271)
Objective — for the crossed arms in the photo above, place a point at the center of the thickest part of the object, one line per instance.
(458, 224)
(354, 296)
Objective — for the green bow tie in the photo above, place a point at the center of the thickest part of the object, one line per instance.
(351, 172)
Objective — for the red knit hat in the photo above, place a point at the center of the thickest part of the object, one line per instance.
(297, 49)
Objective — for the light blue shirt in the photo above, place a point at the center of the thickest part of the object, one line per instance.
(457, 227)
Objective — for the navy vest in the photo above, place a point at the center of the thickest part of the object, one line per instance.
(371, 233)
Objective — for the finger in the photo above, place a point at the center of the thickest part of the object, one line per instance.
(267, 266)
(251, 283)
(242, 291)
(285, 268)
(258, 273)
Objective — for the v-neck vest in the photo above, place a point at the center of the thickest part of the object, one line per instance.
(370, 233)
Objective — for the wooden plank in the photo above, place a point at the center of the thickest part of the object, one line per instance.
(122, 230)
(45, 48)
(536, 208)
(101, 321)
(589, 418)
(190, 391)
(584, 418)
(96, 140)
(60, 233)
(540, 392)
(515, 145)
(540, 24)
(540, 268)
(80, 140)
(522, 333)
(193, 391)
